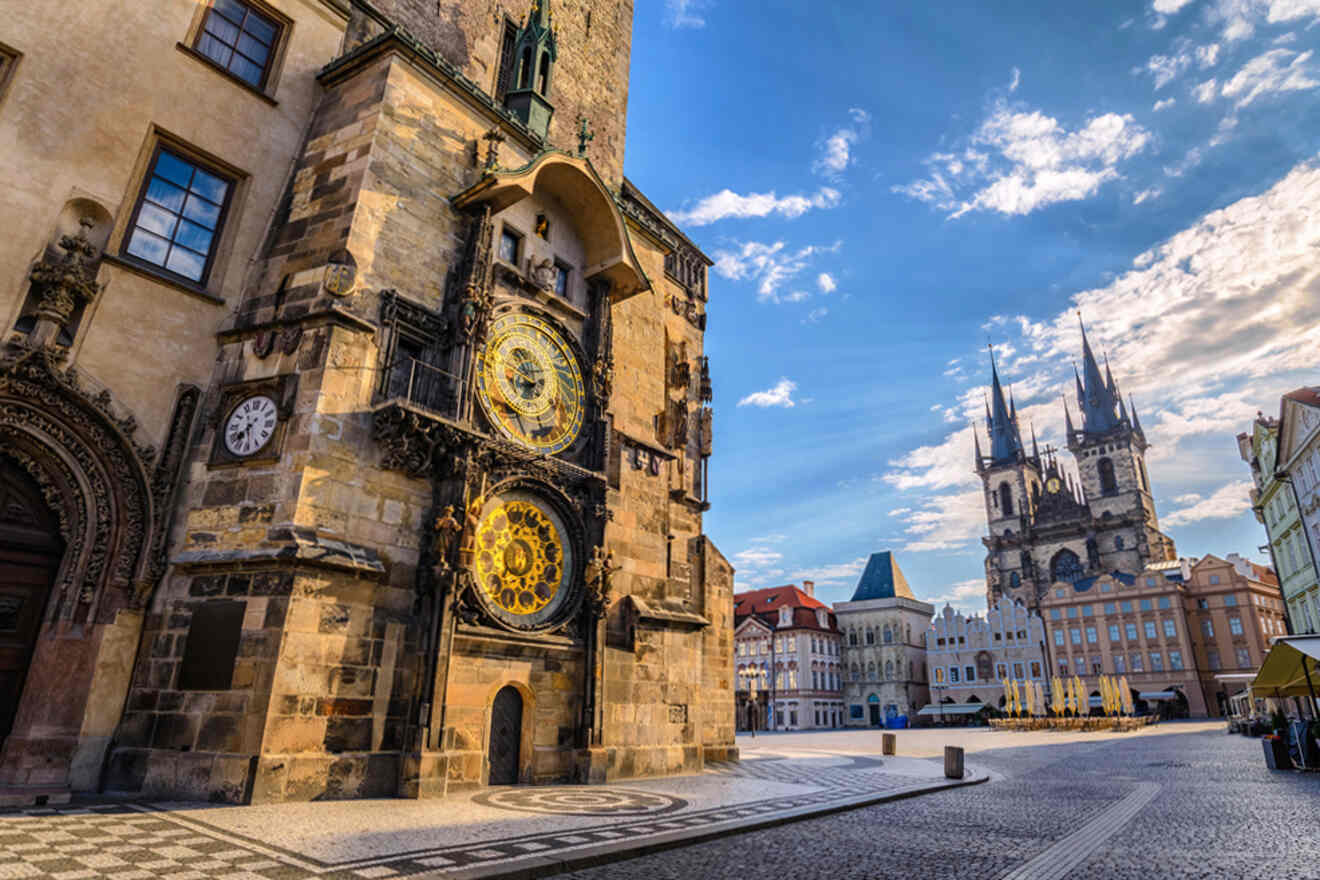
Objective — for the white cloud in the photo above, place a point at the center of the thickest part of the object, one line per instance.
(1015, 80)
(1228, 501)
(770, 265)
(1168, 7)
(1018, 161)
(837, 149)
(780, 394)
(965, 596)
(1230, 306)
(726, 203)
(1166, 68)
(1205, 92)
(1165, 104)
(1207, 56)
(815, 315)
(1278, 70)
(1146, 195)
(825, 281)
(832, 575)
(685, 13)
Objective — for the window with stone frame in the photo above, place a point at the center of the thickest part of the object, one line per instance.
(504, 76)
(211, 646)
(241, 39)
(179, 215)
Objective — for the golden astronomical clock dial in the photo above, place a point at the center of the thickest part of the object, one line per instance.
(1053, 485)
(523, 558)
(530, 385)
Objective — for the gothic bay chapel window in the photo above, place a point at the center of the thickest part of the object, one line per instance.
(239, 39)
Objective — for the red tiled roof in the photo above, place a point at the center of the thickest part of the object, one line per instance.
(772, 598)
(1307, 394)
(765, 604)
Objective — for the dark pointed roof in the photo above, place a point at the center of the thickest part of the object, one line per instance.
(1098, 400)
(1005, 439)
(882, 579)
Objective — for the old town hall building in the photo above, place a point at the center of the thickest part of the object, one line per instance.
(1046, 527)
(354, 420)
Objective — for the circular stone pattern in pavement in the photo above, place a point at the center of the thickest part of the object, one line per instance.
(581, 801)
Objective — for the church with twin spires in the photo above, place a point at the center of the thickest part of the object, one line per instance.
(1048, 524)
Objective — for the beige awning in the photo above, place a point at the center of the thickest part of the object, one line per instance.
(1286, 667)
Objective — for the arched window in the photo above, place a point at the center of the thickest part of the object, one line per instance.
(855, 672)
(909, 634)
(1108, 485)
(889, 636)
(543, 78)
(870, 636)
(870, 672)
(525, 69)
(1005, 499)
(889, 670)
(852, 637)
(939, 675)
(1066, 567)
(1014, 580)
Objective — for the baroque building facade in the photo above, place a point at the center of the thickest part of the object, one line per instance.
(884, 645)
(787, 655)
(356, 426)
(1292, 510)
(1044, 526)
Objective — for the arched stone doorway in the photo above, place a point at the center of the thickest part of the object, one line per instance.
(31, 551)
(505, 736)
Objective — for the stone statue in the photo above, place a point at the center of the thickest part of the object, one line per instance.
(599, 578)
(447, 530)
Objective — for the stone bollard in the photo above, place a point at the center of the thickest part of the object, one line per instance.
(953, 762)
(887, 743)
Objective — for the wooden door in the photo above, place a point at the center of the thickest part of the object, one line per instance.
(505, 736)
(30, 553)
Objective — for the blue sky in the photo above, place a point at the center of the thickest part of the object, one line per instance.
(886, 186)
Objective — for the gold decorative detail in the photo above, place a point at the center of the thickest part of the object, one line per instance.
(519, 562)
(530, 385)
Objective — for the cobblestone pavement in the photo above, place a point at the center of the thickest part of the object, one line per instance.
(1217, 813)
(494, 829)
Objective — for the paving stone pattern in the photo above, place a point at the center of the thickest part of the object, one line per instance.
(1219, 815)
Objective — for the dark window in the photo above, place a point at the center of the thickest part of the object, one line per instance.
(178, 215)
(1108, 485)
(525, 69)
(1005, 499)
(1118, 543)
(543, 78)
(238, 38)
(505, 78)
(1066, 567)
(1014, 580)
(212, 646)
(509, 243)
(561, 279)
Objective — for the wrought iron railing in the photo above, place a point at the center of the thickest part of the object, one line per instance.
(422, 385)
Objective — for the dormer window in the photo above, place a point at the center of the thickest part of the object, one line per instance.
(785, 616)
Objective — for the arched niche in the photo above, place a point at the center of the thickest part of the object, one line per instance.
(571, 183)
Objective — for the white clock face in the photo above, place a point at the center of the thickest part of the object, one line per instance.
(251, 425)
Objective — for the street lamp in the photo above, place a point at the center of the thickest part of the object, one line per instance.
(938, 689)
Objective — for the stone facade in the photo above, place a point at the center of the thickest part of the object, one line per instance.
(333, 609)
(1044, 526)
(969, 657)
(884, 647)
(787, 660)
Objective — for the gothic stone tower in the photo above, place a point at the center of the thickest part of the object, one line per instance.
(1046, 527)
(444, 525)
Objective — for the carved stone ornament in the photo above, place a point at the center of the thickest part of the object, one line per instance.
(602, 379)
(543, 274)
(96, 478)
(61, 285)
(599, 580)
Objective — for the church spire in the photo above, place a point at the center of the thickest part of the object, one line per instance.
(976, 440)
(1005, 440)
(1099, 408)
(1035, 447)
(536, 48)
(1136, 422)
(1067, 419)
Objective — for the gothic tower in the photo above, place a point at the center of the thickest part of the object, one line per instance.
(1046, 527)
